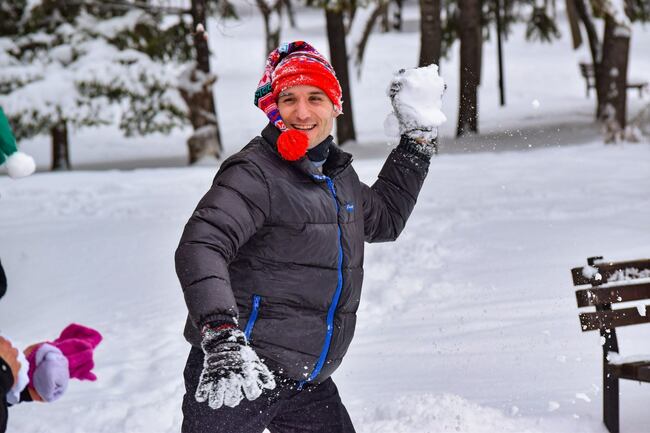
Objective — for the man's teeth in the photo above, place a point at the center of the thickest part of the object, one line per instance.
(304, 127)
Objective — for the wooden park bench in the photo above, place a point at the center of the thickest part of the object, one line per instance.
(612, 283)
(587, 71)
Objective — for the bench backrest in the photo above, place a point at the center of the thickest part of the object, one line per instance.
(612, 283)
(587, 70)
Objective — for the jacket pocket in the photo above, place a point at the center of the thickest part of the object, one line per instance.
(257, 300)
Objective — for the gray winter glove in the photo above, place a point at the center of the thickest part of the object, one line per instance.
(231, 369)
(415, 95)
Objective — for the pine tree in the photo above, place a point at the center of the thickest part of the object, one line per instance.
(80, 64)
(430, 32)
(470, 66)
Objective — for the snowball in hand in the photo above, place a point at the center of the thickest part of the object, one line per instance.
(417, 101)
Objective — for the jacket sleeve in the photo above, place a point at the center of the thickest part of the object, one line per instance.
(234, 208)
(388, 203)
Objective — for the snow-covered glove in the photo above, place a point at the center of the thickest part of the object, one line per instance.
(416, 97)
(50, 374)
(231, 368)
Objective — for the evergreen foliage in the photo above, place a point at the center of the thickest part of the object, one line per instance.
(88, 63)
(638, 10)
(541, 26)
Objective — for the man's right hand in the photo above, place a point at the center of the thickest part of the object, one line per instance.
(10, 355)
(231, 369)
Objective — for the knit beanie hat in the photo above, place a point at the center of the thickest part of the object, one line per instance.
(19, 164)
(292, 64)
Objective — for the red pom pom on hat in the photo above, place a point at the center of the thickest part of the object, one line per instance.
(292, 144)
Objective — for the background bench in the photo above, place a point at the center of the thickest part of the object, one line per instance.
(612, 283)
(587, 71)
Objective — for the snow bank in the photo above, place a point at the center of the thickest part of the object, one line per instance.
(440, 413)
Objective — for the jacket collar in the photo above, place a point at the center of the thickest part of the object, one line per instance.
(336, 162)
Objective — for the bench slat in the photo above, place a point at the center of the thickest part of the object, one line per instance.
(606, 270)
(613, 319)
(634, 371)
(612, 295)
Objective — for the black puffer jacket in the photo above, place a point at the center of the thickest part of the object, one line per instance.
(280, 246)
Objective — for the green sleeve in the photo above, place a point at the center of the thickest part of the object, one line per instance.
(7, 140)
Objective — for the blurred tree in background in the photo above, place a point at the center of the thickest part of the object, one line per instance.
(337, 13)
(146, 64)
(71, 64)
(142, 64)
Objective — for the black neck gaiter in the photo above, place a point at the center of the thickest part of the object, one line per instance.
(319, 153)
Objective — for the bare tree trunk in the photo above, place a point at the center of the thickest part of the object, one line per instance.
(572, 15)
(397, 16)
(479, 45)
(339, 55)
(351, 13)
(206, 139)
(272, 34)
(502, 84)
(60, 156)
(590, 27)
(594, 48)
(613, 71)
(385, 21)
(380, 8)
(430, 32)
(290, 12)
(470, 65)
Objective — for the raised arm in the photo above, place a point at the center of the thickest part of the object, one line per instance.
(388, 203)
(416, 98)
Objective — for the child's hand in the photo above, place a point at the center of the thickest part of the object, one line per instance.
(50, 375)
(54, 363)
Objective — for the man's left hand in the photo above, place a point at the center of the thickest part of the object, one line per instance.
(415, 95)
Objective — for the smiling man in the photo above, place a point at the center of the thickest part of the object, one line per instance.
(271, 261)
(308, 109)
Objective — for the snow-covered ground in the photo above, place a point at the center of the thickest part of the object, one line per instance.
(468, 322)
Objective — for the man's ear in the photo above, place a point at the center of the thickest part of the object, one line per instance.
(335, 113)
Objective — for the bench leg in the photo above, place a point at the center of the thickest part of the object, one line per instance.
(610, 401)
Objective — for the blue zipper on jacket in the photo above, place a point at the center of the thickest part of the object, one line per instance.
(253, 317)
(337, 294)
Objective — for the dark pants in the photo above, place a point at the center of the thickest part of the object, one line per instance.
(315, 408)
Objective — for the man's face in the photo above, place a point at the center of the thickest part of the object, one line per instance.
(307, 109)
